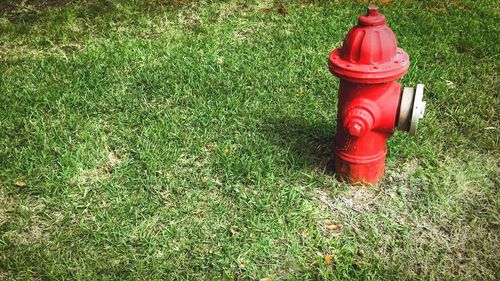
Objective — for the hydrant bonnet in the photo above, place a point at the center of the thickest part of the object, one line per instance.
(369, 53)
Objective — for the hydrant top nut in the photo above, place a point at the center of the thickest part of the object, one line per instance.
(372, 17)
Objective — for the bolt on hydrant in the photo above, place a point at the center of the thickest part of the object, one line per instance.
(371, 103)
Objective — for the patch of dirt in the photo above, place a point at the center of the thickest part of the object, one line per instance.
(355, 200)
(344, 209)
(12, 9)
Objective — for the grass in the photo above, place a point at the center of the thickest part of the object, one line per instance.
(191, 140)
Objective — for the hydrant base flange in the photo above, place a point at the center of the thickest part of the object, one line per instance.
(352, 169)
(353, 173)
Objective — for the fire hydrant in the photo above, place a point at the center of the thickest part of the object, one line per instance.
(371, 103)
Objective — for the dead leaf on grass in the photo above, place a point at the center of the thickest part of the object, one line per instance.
(282, 10)
(450, 84)
(20, 183)
(267, 10)
(328, 259)
(361, 252)
(278, 8)
(356, 230)
(332, 226)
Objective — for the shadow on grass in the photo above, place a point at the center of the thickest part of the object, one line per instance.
(310, 141)
(31, 11)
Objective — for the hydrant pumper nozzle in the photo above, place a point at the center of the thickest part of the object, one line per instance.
(371, 103)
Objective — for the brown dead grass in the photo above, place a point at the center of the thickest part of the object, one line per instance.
(33, 229)
(99, 174)
(7, 204)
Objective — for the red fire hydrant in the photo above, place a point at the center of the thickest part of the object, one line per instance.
(371, 103)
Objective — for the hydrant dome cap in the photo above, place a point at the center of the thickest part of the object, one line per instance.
(369, 53)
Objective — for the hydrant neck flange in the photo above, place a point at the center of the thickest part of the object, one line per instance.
(369, 74)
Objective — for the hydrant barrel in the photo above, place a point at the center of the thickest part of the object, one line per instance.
(371, 103)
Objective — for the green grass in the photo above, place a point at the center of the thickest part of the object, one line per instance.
(191, 140)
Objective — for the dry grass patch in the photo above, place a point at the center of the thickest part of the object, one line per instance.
(103, 173)
(447, 237)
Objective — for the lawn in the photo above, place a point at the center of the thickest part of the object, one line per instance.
(192, 140)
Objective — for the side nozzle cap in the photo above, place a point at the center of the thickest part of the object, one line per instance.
(418, 109)
(411, 109)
